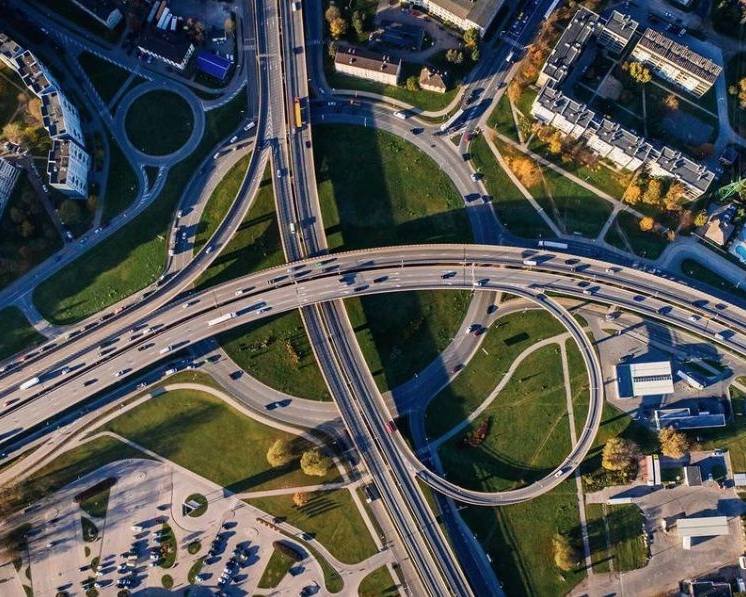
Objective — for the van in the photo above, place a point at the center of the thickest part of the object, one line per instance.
(400, 115)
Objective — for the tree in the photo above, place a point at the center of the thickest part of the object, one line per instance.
(675, 196)
(526, 170)
(632, 194)
(646, 224)
(413, 83)
(27, 229)
(471, 38)
(280, 453)
(34, 110)
(314, 463)
(332, 13)
(301, 498)
(673, 443)
(338, 27)
(701, 218)
(332, 49)
(514, 91)
(739, 90)
(671, 102)
(619, 454)
(566, 555)
(70, 212)
(475, 54)
(652, 195)
(229, 25)
(639, 72)
(13, 132)
(454, 56)
(358, 22)
(555, 143)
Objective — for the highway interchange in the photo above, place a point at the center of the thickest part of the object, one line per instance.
(170, 320)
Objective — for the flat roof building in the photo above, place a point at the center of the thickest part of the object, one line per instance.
(703, 526)
(569, 47)
(720, 227)
(61, 117)
(365, 64)
(463, 14)
(105, 12)
(692, 476)
(616, 32)
(68, 168)
(171, 47)
(683, 419)
(9, 51)
(644, 379)
(676, 62)
(212, 64)
(8, 178)
(34, 75)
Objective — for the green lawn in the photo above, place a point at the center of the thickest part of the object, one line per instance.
(733, 436)
(106, 77)
(11, 90)
(276, 351)
(134, 256)
(696, 270)
(66, 468)
(205, 435)
(27, 235)
(501, 119)
(395, 195)
(424, 100)
(220, 202)
(512, 208)
(255, 245)
(623, 544)
(277, 567)
(331, 517)
(15, 332)
(121, 183)
(97, 504)
(378, 584)
(159, 122)
(519, 541)
(644, 244)
(402, 333)
(577, 209)
(506, 339)
(528, 433)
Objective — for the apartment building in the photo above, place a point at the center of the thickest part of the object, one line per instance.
(463, 14)
(8, 178)
(676, 63)
(68, 167)
(569, 47)
(61, 117)
(365, 64)
(34, 74)
(105, 12)
(9, 52)
(616, 32)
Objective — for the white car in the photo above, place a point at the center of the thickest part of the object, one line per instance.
(249, 126)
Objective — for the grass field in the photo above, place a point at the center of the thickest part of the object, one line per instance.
(106, 77)
(19, 253)
(378, 584)
(205, 435)
(519, 541)
(512, 208)
(276, 569)
(276, 351)
(159, 122)
(331, 517)
(66, 468)
(121, 183)
(15, 332)
(501, 119)
(97, 504)
(395, 195)
(733, 436)
(134, 256)
(528, 432)
(256, 244)
(696, 270)
(623, 544)
(644, 244)
(402, 333)
(220, 202)
(505, 340)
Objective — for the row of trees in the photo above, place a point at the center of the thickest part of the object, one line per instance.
(338, 25)
(621, 454)
(657, 192)
(313, 462)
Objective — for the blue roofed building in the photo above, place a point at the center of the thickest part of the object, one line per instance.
(213, 65)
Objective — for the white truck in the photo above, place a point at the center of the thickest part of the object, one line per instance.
(221, 319)
(29, 383)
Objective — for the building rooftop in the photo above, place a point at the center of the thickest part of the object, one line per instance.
(681, 418)
(52, 114)
(33, 74)
(170, 45)
(212, 64)
(59, 160)
(433, 78)
(680, 55)
(693, 476)
(479, 12)
(573, 111)
(8, 47)
(366, 59)
(680, 166)
(570, 44)
(621, 25)
(705, 526)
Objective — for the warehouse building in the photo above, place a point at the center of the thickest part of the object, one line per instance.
(683, 419)
(644, 379)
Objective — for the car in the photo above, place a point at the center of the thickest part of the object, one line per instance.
(208, 250)
(694, 318)
(97, 230)
(718, 452)
(68, 235)
(119, 373)
(475, 176)
(216, 156)
(233, 139)
(446, 275)
(474, 327)
(249, 126)
(457, 368)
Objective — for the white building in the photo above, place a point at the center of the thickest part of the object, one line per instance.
(34, 74)
(463, 14)
(105, 12)
(365, 64)
(703, 526)
(61, 117)
(68, 168)
(8, 178)
(644, 379)
(9, 52)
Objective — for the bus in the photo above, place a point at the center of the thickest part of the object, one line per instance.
(298, 114)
